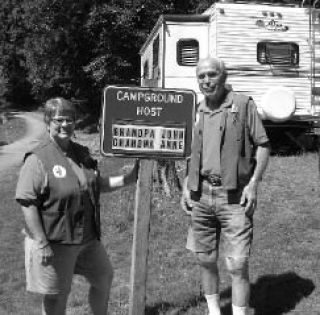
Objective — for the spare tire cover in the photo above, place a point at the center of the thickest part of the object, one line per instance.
(278, 104)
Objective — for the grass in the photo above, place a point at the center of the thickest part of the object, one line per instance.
(285, 262)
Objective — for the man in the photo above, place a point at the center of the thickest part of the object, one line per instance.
(230, 152)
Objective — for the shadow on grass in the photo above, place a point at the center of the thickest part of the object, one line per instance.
(274, 294)
(270, 295)
(174, 309)
(279, 294)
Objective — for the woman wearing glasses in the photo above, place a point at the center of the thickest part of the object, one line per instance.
(58, 190)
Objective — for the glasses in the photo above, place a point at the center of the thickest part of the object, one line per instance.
(60, 121)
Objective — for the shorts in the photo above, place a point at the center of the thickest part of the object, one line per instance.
(217, 212)
(55, 277)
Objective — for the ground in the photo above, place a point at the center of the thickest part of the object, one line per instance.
(12, 154)
(284, 265)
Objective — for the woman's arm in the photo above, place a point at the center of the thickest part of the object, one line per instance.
(34, 224)
(110, 183)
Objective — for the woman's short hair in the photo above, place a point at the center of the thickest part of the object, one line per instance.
(58, 105)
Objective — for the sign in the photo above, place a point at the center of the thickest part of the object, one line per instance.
(147, 122)
(272, 25)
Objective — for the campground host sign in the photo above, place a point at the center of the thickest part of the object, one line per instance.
(147, 122)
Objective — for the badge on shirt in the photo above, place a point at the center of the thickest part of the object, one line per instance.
(59, 171)
(197, 118)
(234, 108)
(235, 111)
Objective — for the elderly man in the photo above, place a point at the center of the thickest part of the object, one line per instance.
(230, 152)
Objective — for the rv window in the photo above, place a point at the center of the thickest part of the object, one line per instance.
(278, 53)
(146, 70)
(155, 53)
(187, 52)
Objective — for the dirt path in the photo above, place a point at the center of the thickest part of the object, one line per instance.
(12, 154)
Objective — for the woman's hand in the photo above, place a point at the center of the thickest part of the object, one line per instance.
(44, 251)
(132, 176)
(110, 183)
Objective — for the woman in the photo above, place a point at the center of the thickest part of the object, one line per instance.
(58, 190)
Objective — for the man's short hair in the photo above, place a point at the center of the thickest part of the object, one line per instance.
(219, 64)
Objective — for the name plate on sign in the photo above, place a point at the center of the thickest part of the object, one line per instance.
(147, 122)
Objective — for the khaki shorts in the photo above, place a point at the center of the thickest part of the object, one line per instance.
(55, 277)
(217, 213)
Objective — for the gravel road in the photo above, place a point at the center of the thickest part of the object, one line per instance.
(12, 154)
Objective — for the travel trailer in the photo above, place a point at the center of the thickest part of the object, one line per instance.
(272, 53)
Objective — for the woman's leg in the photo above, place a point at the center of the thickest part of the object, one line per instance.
(94, 264)
(54, 304)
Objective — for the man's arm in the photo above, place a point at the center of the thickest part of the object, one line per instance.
(185, 201)
(262, 157)
(249, 195)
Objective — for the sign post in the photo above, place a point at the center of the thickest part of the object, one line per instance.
(140, 247)
(148, 123)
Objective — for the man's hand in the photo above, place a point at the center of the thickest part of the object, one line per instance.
(186, 201)
(249, 194)
(249, 197)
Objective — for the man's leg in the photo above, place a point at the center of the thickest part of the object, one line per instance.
(203, 239)
(238, 269)
(237, 230)
(210, 280)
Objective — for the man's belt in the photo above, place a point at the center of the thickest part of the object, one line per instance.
(214, 180)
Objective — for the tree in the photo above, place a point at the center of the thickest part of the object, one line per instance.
(75, 48)
(56, 48)
(14, 85)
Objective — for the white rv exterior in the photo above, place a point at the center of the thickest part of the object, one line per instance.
(272, 53)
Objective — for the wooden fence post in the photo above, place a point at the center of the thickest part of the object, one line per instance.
(140, 247)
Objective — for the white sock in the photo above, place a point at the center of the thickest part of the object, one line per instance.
(239, 310)
(213, 301)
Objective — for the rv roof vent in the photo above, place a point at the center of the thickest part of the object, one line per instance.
(187, 52)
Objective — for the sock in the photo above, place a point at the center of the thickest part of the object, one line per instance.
(239, 310)
(213, 301)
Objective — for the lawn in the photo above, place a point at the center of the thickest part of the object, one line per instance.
(285, 277)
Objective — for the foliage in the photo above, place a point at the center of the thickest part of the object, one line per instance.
(13, 85)
(75, 48)
(56, 48)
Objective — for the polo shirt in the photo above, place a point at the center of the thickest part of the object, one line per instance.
(33, 181)
(210, 159)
